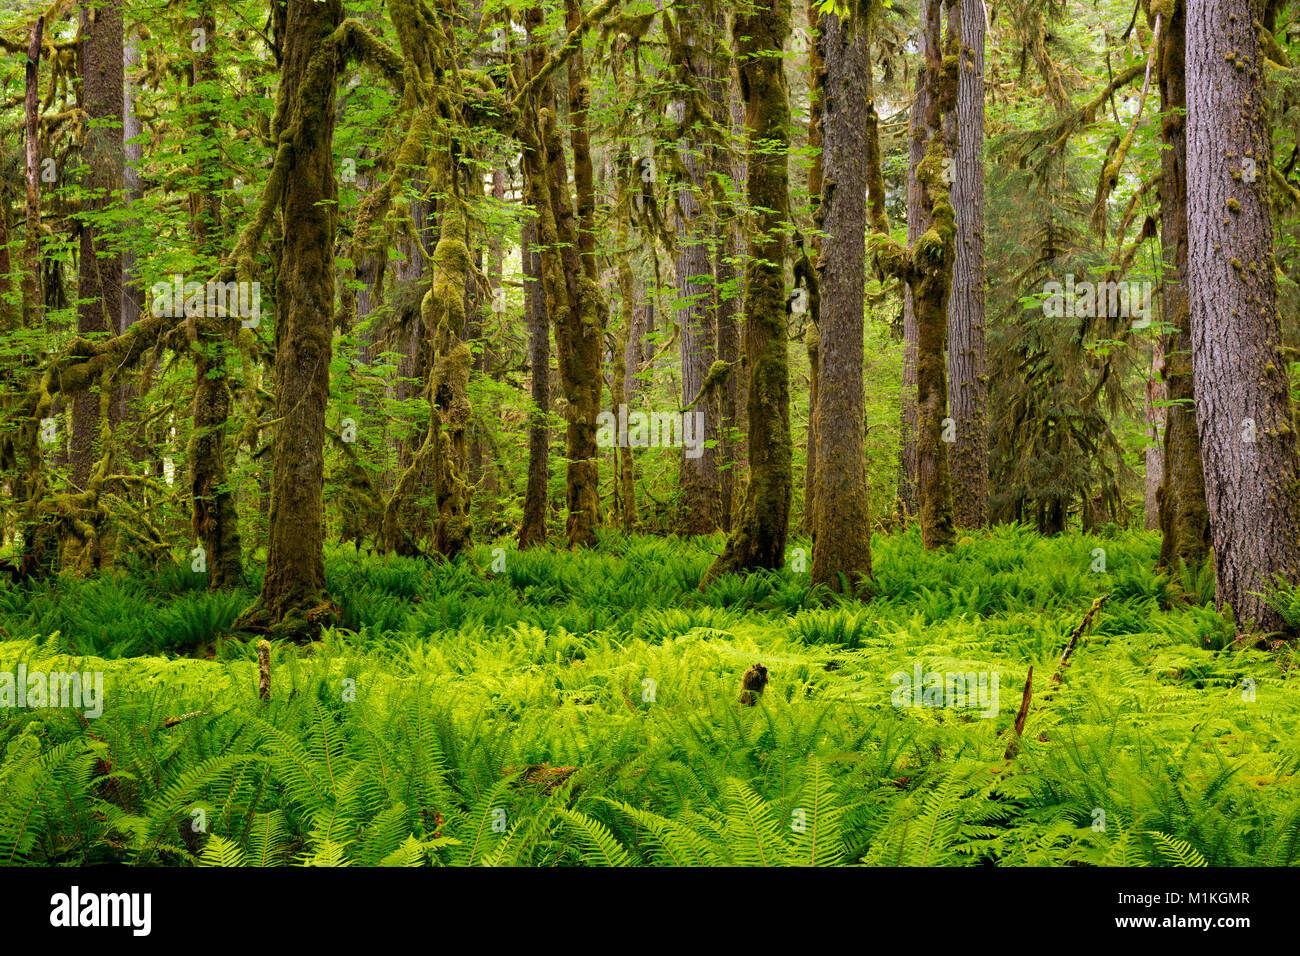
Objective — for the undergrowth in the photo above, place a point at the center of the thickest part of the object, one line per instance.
(581, 708)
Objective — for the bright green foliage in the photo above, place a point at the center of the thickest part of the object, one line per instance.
(438, 727)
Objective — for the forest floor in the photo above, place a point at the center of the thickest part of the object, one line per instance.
(583, 708)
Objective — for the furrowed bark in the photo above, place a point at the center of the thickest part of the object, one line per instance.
(841, 518)
(1243, 406)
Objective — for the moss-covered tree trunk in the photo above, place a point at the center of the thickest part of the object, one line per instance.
(693, 217)
(444, 316)
(99, 285)
(1184, 520)
(841, 517)
(926, 268)
(215, 520)
(293, 598)
(532, 530)
(579, 338)
(627, 362)
(1243, 402)
(759, 535)
(812, 335)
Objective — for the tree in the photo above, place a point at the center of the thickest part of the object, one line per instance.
(215, 520)
(692, 37)
(1184, 521)
(1243, 406)
(926, 267)
(841, 519)
(967, 383)
(759, 534)
(99, 288)
(293, 590)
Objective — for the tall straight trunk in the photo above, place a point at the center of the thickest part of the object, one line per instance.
(931, 277)
(132, 289)
(533, 529)
(32, 153)
(293, 589)
(627, 363)
(967, 389)
(759, 536)
(812, 336)
(693, 218)
(99, 286)
(579, 333)
(1184, 518)
(918, 135)
(841, 518)
(1154, 453)
(728, 278)
(1243, 403)
(215, 519)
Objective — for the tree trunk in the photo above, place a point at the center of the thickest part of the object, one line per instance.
(758, 539)
(99, 286)
(1154, 408)
(1184, 519)
(693, 223)
(293, 590)
(931, 276)
(215, 520)
(32, 151)
(812, 335)
(841, 519)
(533, 529)
(1243, 407)
(967, 388)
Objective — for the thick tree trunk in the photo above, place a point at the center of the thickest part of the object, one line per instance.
(293, 590)
(967, 388)
(759, 537)
(930, 273)
(841, 519)
(1243, 407)
(1184, 519)
(99, 287)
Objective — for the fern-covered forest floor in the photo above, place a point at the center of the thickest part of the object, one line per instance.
(583, 708)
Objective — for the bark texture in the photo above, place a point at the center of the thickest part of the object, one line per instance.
(1243, 411)
(841, 516)
(967, 383)
(1184, 520)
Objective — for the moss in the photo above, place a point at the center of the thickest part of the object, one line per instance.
(1233, 205)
